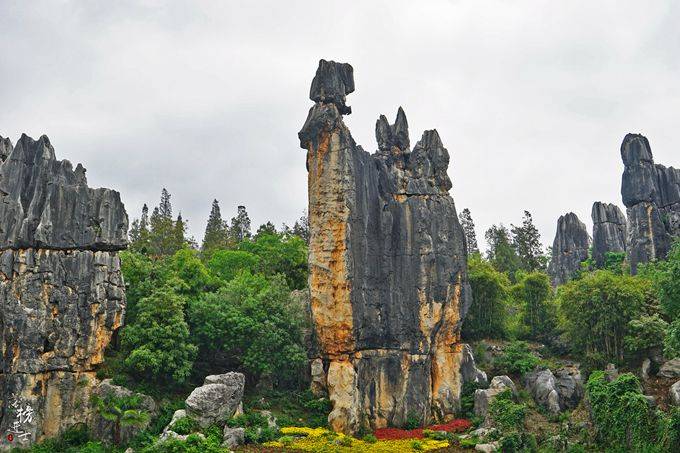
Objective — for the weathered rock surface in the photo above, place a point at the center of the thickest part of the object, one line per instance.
(609, 231)
(233, 437)
(388, 277)
(217, 399)
(468, 368)
(570, 248)
(483, 397)
(670, 369)
(61, 289)
(557, 391)
(102, 429)
(5, 148)
(651, 192)
(674, 393)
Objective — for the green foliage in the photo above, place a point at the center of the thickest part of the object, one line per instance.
(193, 444)
(621, 413)
(533, 294)
(615, 262)
(666, 278)
(487, 315)
(253, 324)
(280, 254)
(256, 426)
(226, 264)
(121, 410)
(516, 359)
(413, 421)
(370, 438)
(159, 339)
(292, 408)
(645, 334)
(526, 241)
(596, 311)
(671, 342)
(518, 442)
(501, 253)
(506, 414)
(216, 232)
(467, 399)
(468, 225)
(185, 425)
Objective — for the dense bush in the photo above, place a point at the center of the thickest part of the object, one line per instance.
(645, 334)
(666, 277)
(671, 342)
(507, 415)
(533, 295)
(516, 359)
(487, 316)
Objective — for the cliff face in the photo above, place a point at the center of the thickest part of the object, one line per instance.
(651, 192)
(570, 248)
(61, 289)
(388, 277)
(609, 231)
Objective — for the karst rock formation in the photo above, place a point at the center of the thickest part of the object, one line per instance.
(609, 231)
(651, 193)
(61, 289)
(388, 278)
(569, 249)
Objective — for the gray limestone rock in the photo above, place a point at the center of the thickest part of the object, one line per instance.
(611, 372)
(483, 397)
(651, 192)
(674, 393)
(217, 399)
(233, 437)
(670, 369)
(388, 273)
(570, 248)
(609, 231)
(468, 368)
(569, 386)
(542, 386)
(5, 148)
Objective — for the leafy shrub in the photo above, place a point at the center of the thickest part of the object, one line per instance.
(185, 425)
(516, 359)
(518, 442)
(412, 421)
(646, 333)
(620, 412)
(506, 414)
(417, 445)
(256, 426)
(467, 398)
(671, 342)
(370, 438)
(486, 318)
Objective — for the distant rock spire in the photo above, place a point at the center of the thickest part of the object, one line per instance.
(609, 231)
(570, 248)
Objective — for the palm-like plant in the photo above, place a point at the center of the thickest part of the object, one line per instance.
(122, 411)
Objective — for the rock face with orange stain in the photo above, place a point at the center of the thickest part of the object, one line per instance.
(61, 289)
(388, 274)
(651, 192)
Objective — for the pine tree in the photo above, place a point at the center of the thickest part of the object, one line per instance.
(469, 229)
(161, 228)
(301, 227)
(266, 228)
(139, 232)
(216, 231)
(240, 226)
(179, 236)
(501, 253)
(527, 242)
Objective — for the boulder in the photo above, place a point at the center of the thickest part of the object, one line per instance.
(610, 372)
(233, 437)
(670, 369)
(542, 386)
(569, 386)
(487, 448)
(468, 368)
(318, 378)
(570, 248)
(674, 393)
(388, 267)
(217, 399)
(645, 369)
(483, 397)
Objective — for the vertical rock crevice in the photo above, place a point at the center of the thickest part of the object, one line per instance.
(388, 277)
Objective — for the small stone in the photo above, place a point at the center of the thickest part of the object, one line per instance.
(233, 437)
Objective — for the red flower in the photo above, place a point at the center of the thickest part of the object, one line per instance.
(454, 426)
(10, 437)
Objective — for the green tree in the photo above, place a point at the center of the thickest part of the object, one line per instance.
(266, 228)
(279, 254)
(252, 325)
(190, 277)
(226, 264)
(526, 241)
(645, 335)
(487, 315)
(163, 239)
(469, 229)
(121, 410)
(240, 226)
(533, 294)
(596, 311)
(666, 278)
(671, 342)
(501, 252)
(159, 342)
(216, 232)
(139, 232)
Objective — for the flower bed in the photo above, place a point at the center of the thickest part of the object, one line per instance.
(454, 426)
(319, 439)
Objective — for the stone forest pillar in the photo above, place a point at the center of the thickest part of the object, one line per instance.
(388, 273)
(61, 290)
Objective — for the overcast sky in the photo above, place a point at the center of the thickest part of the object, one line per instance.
(531, 98)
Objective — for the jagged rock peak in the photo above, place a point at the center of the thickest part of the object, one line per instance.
(609, 231)
(635, 148)
(392, 135)
(45, 203)
(570, 248)
(5, 148)
(332, 83)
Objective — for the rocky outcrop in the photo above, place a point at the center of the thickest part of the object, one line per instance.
(674, 394)
(651, 192)
(483, 397)
(569, 387)
(217, 399)
(61, 289)
(670, 369)
(609, 231)
(569, 250)
(388, 278)
(555, 392)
